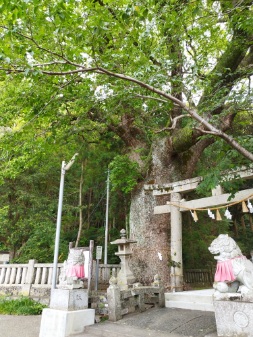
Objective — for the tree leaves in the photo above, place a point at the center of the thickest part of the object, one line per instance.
(124, 174)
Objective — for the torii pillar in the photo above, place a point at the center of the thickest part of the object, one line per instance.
(176, 245)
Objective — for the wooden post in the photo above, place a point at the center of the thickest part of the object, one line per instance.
(91, 247)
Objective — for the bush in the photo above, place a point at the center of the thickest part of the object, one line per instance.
(20, 306)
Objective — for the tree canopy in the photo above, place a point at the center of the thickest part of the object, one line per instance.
(195, 55)
(75, 74)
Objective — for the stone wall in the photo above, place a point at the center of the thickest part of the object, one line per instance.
(115, 303)
(39, 294)
(98, 301)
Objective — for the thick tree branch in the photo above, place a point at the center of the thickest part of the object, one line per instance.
(231, 58)
(192, 112)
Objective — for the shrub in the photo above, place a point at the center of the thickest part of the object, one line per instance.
(20, 306)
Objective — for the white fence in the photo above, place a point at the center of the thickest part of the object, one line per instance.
(33, 277)
(27, 274)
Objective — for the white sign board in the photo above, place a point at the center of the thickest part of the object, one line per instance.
(4, 258)
(86, 263)
(99, 252)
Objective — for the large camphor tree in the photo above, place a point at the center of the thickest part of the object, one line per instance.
(170, 79)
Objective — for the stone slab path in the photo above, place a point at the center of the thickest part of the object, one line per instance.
(160, 322)
(155, 322)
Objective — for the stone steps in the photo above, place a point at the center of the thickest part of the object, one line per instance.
(192, 300)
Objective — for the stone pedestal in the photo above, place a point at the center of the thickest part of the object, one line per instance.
(60, 323)
(234, 315)
(67, 299)
(68, 313)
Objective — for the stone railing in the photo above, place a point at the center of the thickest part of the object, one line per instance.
(35, 279)
(32, 273)
(135, 298)
(105, 272)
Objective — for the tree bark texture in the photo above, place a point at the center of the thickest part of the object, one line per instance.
(151, 253)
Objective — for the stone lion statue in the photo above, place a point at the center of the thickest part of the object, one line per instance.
(234, 272)
(72, 273)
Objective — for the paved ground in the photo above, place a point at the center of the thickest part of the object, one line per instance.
(161, 322)
(155, 322)
(19, 326)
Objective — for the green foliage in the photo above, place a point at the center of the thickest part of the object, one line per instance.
(39, 244)
(98, 235)
(197, 237)
(242, 228)
(28, 205)
(216, 160)
(20, 306)
(124, 174)
(244, 240)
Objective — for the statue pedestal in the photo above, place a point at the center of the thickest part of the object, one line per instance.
(234, 315)
(68, 314)
(69, 299)
(60, 323)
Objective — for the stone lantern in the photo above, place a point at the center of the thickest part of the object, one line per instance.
(125, 276)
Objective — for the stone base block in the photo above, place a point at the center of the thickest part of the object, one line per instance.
(69, 299)
(233, 318)
(60, 323)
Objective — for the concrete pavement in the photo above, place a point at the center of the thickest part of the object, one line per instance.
(19, 326)
(155, 322)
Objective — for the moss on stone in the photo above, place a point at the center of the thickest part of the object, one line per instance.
(182, 139)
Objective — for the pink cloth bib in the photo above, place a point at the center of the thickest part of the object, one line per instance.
(224, 270)
(77, 271)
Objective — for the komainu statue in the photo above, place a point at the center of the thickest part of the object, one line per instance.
(72, 273)
(234, 272)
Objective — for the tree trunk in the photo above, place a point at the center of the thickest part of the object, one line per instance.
(152, 232)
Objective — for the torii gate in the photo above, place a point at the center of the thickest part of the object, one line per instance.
(175, 189)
